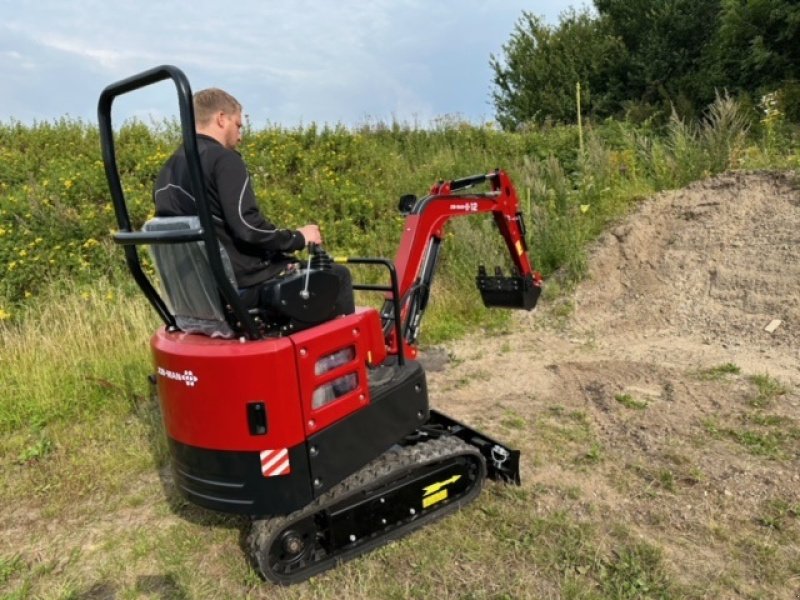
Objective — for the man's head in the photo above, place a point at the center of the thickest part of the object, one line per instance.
(219, 115)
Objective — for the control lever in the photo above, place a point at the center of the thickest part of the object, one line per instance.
(318, 260)
(304, 292)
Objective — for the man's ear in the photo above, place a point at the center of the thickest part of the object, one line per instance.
(219, 119)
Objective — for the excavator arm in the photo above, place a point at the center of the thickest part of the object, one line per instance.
(418, 254)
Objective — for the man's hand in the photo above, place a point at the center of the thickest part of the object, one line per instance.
(311, 234)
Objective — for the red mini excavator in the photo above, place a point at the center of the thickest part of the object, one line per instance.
(315, 426)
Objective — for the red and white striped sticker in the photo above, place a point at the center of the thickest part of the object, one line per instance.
(275, 462)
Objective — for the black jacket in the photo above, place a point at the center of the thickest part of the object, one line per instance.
(255, 245)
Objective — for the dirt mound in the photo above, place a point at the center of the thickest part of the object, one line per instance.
(661, 406)
(718, 259)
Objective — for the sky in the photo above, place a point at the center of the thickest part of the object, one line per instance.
(289, 63)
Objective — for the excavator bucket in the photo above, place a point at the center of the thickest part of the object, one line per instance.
(507, 291)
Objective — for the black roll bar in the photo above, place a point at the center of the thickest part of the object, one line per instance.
(129, 238)
(393, 287)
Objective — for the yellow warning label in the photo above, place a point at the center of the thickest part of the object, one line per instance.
(519, 247)
(434, 498)
(435, 487)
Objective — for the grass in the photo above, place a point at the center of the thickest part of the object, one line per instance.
(629, 401)
(94, 461)
(512, 420)
(593, 455)
(768, 390)
(779, 513)
(757, 443)
(55, 215)
(773, 437)
(77, 420)
(89, 509)
(74, 355)
(637, 572)
(99, 471)
(9, 566)
(719, 372)
(654, 477)
(178, 558)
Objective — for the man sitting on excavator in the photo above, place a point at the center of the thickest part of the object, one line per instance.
(258, 250)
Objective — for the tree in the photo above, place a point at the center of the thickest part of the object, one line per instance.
(667, 43)
(758, 43)
(536, 76)
(650, 55)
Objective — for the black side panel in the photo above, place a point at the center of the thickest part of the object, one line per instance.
(397, 408)
(232, 482)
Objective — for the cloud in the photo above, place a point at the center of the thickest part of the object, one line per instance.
(106, 58)
(19, 60)
(308, 60)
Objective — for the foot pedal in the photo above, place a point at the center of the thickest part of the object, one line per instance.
(507, 292)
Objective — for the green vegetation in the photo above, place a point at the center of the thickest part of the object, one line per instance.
(768, 389)
(81, 437)
(769, 436)
(719, 372)
(629, 401)
(777, 512)
(647, 59)
(55, 214)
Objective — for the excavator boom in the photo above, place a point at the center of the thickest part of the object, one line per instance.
(423, 232)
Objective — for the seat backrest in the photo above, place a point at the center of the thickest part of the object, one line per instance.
(187, 281)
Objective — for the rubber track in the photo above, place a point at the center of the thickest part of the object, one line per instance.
(383, 469)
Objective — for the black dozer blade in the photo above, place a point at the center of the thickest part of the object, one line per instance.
(502, 462)
(507, 292)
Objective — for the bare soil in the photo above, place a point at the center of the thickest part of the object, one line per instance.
(610, 394)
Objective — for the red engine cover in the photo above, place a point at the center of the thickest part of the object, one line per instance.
(205, 384)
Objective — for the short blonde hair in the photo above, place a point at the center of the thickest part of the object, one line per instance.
(210, 101)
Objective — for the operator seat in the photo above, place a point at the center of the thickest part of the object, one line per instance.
(187, 281)
(286, 304)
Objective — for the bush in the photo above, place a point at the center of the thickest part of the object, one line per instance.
(56, 215)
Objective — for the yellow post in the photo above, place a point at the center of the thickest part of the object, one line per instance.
(580, 124)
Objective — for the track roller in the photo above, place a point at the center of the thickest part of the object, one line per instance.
(402, 490)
